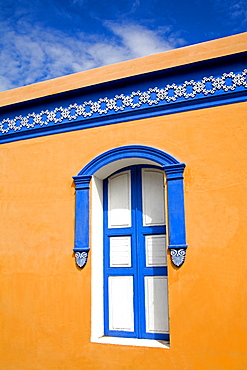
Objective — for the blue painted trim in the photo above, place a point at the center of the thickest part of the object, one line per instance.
(121, 117)
(106, 260)
(81, 247)
(138, 267)
(177, 236)
(176, 217)
(130, 151)
(82, 182)
(194, 86)
(177, 246)
(174, 172)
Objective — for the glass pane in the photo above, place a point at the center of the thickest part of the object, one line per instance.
(153, 197)
(155, 246)
(119, 201)
(120, 251)
(156, 304)
(121, 310)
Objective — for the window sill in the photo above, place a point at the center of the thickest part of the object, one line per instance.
(132, 342)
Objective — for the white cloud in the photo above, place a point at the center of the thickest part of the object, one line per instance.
(235, 11)
(138, 40)
(239, 12)
(31, 53)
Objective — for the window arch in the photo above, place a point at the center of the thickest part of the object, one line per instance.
(115, 159)
(93, 175)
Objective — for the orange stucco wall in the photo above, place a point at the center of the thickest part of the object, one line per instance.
(45, 308)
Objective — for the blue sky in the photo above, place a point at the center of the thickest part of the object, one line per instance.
(43, 39)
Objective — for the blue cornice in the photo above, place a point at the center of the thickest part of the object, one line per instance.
(174, 172)
(196, 86)
(82, 182)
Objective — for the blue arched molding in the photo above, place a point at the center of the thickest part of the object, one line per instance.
(175, 193)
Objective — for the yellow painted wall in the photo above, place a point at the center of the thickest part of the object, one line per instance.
(45, 318)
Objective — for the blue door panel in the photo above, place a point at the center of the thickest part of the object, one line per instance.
(138, 267)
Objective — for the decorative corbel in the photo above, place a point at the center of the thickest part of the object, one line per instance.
(178, 256)
(81, 256)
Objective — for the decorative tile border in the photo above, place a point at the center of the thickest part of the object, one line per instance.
(171, 93)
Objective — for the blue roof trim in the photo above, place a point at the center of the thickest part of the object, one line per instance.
(185, 88)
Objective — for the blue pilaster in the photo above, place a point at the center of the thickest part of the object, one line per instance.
(81, 247)
(176, 218)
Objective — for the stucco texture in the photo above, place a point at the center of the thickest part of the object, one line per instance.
(46, 299)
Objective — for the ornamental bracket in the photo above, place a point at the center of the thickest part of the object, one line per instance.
(178, 255)
(81, 256)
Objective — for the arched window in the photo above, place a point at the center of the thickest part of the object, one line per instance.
(128, 244)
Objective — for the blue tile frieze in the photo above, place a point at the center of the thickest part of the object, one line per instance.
(122, 102)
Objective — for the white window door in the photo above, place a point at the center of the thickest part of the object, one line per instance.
(135, 261)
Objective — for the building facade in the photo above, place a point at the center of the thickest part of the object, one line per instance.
(123, 215)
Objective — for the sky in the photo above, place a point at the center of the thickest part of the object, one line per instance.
(44, 39)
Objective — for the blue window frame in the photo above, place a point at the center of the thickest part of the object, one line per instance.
(100, 168)
(134, 269)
